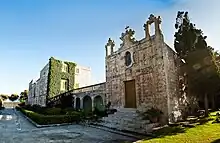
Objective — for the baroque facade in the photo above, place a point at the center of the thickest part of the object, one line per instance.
(55, 78)
(144, 73)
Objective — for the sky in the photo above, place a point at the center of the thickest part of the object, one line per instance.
(31, 31)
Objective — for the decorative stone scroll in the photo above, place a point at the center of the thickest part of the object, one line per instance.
(157, 21)
(128, 36)
(110, 44)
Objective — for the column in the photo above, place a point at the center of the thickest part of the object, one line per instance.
(112, 51)
(81, 102)
(157, 23)
(92, 103)
(147, 31)
(74, 101)
(106, 50)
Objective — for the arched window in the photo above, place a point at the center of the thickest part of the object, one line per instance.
(128, 58)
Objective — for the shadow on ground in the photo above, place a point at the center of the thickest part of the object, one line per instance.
(181, 127)
(168, 131)
(216, 141)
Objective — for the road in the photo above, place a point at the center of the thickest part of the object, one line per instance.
(14, 128)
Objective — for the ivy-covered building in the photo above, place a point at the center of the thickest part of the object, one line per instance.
(57, 77)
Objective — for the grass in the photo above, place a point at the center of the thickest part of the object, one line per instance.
(204, 132)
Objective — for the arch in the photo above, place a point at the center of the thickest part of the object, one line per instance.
(87, 104)
(98, 102)
(77, 103)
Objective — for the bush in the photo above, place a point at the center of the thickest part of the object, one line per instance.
(51, 111)
(152, 114)
(22, 104)
(100, 112)
(69, 109)
(111, 111)
(50, 119)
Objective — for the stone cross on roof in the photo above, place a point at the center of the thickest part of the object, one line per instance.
(127, 36)
(126, 28)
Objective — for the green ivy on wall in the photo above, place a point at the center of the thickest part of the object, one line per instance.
(56, 74)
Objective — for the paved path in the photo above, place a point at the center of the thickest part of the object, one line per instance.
(16, 129)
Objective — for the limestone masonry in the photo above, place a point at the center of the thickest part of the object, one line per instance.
(38, 90)
(141, 74)
(144, 73)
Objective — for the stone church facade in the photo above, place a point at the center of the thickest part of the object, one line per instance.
(144, 73)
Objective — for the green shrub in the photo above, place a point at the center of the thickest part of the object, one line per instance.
(50, 119)
(69, 109)
(152, 114)
(73, 113)
(52, 111)
(100, 112)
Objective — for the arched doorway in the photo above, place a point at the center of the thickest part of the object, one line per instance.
(87, 104)
(77, 103)
(98, 102)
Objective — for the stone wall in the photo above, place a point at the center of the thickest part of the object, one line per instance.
(175, 101)
(154, 67)
(93, 92)
(31, 91)
(38, 90)
(43, 85)
(93, 96)
(82, 76)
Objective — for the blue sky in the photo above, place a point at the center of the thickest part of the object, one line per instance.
(31, 31)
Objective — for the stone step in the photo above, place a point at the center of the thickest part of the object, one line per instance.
(127, 119)
(125, 114)
(129, 110)
(124, 118)
(137, 121)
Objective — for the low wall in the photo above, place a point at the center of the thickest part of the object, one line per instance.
(10, 104)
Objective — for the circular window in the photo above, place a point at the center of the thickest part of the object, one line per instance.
(128, 58)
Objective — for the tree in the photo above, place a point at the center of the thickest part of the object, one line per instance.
(4, 96)
(13, 97)
(190, 45)
(23, 96)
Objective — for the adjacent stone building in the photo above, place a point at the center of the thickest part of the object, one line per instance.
(141, 74)
(55, 78)
(144, 73)
(82, 76)
(87, 98)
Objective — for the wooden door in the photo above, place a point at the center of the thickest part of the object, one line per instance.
(130, 94)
